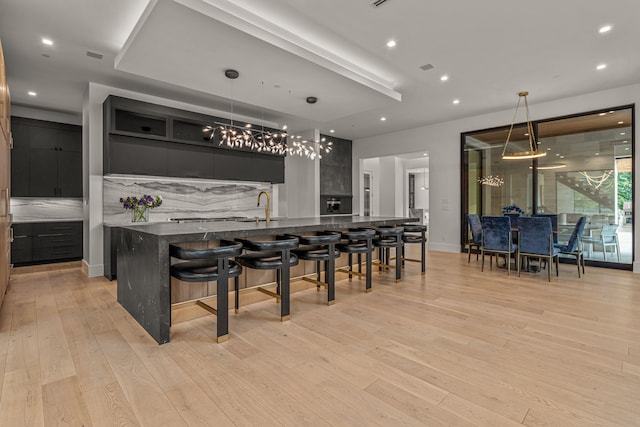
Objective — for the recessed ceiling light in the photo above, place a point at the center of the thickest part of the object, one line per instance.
(562, 157)
(622, 133)
(626, 148)
(625, 141)
(620, 122)
(456, 101)
(331, 131)
(424, 154)
(382, 119)
(597, 154)
(526, 134)
(604, 29)
(32, 93)
(549, 149)
(557, 154)
(391, 43)
(601, 67)
(444, 78)
(47, 41)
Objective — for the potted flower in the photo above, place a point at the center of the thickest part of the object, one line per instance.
(140, 206)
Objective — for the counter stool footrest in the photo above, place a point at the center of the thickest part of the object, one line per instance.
(355, 273)
(270, 293)
(317, 282)
(207, 307)
(381, 264)
(411, 260)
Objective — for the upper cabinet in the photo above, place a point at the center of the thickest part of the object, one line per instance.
(47, 159)
(335, 169)
(148, 139)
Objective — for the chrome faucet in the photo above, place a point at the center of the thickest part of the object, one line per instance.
(267, 209)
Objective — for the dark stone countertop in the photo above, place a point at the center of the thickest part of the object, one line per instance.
(174, 232)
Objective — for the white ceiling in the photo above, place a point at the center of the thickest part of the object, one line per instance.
(286, 50)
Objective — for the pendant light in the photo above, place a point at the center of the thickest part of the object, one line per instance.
(533, 151)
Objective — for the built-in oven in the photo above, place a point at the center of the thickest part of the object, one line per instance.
(334, 205)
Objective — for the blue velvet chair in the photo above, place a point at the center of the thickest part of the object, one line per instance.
(536, 241)
(476, 234)
(574, 245)
(497, 239)
(554, 224)
(513, 216)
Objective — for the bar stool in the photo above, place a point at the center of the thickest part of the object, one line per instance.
(388, 237)
(321, 247)
(358, 241)
(273, 255)
(411, 236)
(207, 265)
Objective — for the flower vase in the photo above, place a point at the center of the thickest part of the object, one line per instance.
(140, 214)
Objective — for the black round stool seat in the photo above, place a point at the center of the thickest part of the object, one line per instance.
(414, 228)
(273, 255)
(202, 270)
(315, 253)
(266, 260)
(321, 247)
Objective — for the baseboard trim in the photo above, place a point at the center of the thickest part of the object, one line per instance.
(444, 247)
(92, 270)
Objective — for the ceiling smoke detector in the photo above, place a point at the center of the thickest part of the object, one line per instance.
(376, 3)
(426, 67)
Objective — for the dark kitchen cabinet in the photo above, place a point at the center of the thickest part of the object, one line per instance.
(137, 156)
(335, 178)
(20, 165)
(44, 242)
(148, 139)
(47, 159)
(190, 161)
(22, 244)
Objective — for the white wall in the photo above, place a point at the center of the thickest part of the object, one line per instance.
(300, 195)
(442, 141)
(48, 115)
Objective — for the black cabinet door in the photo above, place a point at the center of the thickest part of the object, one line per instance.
(43, 176)
(265, 168)
(232, 165)
(189, 161)
(20, 160)
(69, 174)
(137, 156)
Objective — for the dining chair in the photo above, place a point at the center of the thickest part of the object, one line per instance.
(554, 224)
(608, 238)
(513, 216)
(574, 245)
(476, 234)
(497, 239)
(536, 241)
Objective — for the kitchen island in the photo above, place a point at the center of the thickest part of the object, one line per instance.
(143, 261)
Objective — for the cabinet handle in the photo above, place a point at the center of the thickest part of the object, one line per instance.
(11, 140)
(11, 234)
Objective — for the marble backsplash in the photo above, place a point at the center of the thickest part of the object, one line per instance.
(183, 198)
(35, 209)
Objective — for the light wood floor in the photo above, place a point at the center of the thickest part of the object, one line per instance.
(455, 347)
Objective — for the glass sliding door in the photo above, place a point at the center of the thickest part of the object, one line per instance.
(588, 171)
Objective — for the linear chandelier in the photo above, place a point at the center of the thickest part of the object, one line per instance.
(533, 152)
(263, 140)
